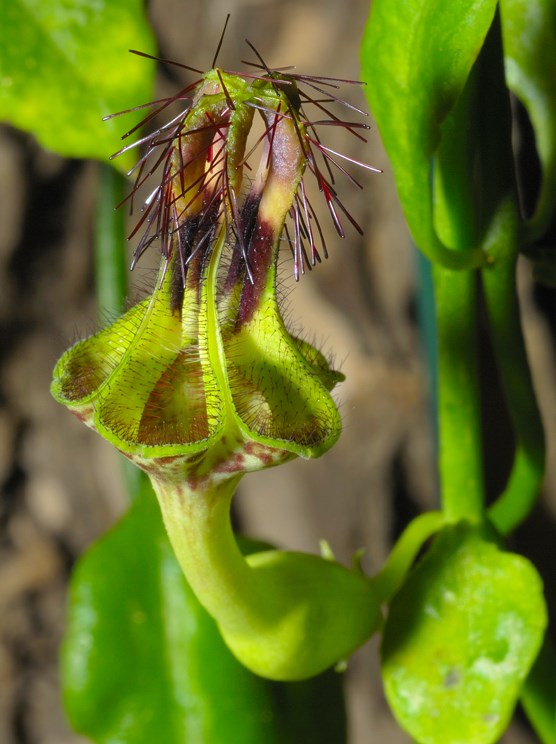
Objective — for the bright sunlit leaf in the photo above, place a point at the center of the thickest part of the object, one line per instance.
(64, 64)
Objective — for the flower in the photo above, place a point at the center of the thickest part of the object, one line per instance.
(206, 363)
(202, 382)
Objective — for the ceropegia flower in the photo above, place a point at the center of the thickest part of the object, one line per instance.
(202, 381)
(149, 382)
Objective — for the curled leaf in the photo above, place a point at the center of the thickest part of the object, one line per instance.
(416, 67)
(529, 36)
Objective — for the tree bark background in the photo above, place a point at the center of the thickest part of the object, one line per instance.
(61, 485)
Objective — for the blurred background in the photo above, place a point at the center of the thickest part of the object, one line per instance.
(61, 484)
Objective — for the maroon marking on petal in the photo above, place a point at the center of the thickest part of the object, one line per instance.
(197, 483)
(266, 455)
(247, 223)
(260, 256)
(234, 465)
(177, 286)
(82, 416)
(167, 460)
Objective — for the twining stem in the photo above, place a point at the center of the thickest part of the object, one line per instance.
(502, 303)
(503, 241)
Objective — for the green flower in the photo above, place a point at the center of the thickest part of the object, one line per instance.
(202, 382)
(206, 364)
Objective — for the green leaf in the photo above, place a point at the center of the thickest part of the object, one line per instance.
(460, 638)
(529, 36)
(416, 61)
(64, 64)
(143, 662)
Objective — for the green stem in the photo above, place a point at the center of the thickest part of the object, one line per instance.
(538, 695)
(459, 419)
(503, 235)
(403, 554)
(460, 451)
(110, 243)
(500, 290)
